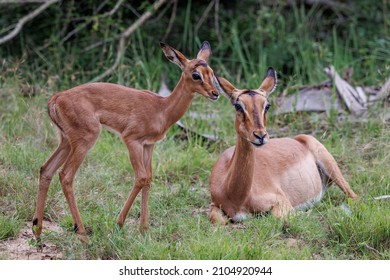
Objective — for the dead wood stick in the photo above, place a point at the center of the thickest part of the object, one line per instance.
(204, 16)
(383, 92)
(25, 19)
(82, 26)
(125, 35)
(356, 103)
(22, 1)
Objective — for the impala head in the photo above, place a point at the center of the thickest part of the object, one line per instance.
(251, 107)
(196, 72)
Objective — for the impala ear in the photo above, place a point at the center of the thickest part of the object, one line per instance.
(204, 51)
(270, 81)
(226, 88)
(174, 55)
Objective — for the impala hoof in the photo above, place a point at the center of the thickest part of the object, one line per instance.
(83, 238)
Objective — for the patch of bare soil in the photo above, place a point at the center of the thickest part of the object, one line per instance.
(19, 248)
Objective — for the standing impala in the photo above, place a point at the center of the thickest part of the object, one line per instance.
(140, 117)
(285, 174)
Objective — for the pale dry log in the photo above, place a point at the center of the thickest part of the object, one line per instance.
(384, 92)
(382, 197)
(25, 19)
(309, 100)
(356, 101)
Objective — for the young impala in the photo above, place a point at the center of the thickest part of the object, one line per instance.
(140, 117)
(285, 174)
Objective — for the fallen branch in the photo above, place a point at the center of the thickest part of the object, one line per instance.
(25, 19)
(356, 101)
(383, 92)
(309, 99)
(372, 249)
(382, 197)
(125, 35)
(216, 22)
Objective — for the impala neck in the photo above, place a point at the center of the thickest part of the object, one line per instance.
(178, 102)
(240, 174)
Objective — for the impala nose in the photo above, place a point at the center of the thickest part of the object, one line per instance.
(261, 139)
(215, 94)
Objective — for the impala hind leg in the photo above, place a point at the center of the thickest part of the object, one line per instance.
(327, 165)
(78, 152)
(142, 180)
(46, 175)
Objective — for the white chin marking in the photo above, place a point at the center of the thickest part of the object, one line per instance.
(239, 217)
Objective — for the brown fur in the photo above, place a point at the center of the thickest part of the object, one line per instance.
(140, 117)
(278, 176)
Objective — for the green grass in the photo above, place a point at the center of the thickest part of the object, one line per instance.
(9, 227)
(179, 227)
(296, 40)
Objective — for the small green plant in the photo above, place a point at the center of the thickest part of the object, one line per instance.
(9, 227)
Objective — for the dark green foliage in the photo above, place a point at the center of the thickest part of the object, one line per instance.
(295, 38)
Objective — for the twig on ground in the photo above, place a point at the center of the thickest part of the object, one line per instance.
(383, 92)
(382, 197)
(372, 249)
(355, 101)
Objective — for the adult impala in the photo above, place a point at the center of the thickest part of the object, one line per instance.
(285, 174)
(140, 117)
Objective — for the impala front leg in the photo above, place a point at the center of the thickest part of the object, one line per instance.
(148, 153)
(142, 180)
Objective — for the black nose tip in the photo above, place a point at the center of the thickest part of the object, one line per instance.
(261, 138)
(215, 93)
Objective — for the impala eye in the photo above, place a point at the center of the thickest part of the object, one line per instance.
(238, 108)
(196, 76)
(267, 108)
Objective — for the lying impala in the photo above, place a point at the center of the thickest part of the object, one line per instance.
(285, 174)
(140, 117)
